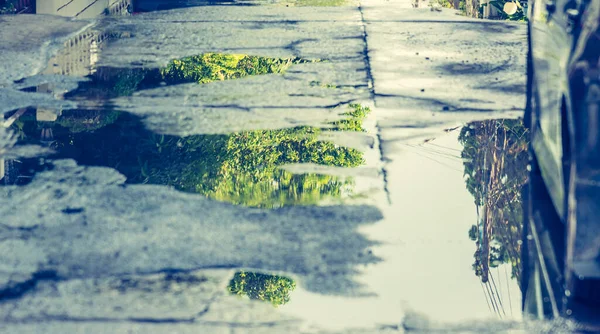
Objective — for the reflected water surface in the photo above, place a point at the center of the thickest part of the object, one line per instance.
(483, 162)
(241, 168)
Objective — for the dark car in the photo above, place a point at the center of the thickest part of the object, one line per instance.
(561, 250)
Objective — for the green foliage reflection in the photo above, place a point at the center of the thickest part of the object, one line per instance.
(495, 167)
(241, 168)
(204, 68)
(270, 288)
(210, 67)
(80, 121)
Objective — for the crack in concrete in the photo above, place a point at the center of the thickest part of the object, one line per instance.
(371, 85)
(250, 109)
(18, 290)
(367, 60)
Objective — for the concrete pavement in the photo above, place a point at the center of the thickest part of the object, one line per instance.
(82, 9)
(76, 237)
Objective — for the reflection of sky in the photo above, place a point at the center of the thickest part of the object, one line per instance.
(426, 250)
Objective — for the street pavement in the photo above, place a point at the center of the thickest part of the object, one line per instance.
(83, 252)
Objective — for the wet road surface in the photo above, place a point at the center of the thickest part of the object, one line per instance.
(262, 167)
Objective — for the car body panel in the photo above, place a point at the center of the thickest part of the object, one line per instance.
(584, 77)
(564, 117)
(549, 36)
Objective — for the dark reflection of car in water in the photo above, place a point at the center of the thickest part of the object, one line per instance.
(561, 258)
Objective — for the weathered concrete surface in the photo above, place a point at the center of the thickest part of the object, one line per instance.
(195, 301)
(85, 224)
(271, 31)
(304, 95)
(433, 70)
(83, 253)
(83, 232)
(264, 102)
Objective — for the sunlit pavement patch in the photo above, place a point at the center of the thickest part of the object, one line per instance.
(453, 70)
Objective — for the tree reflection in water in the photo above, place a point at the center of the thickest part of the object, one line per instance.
(269, 288)
(495, 167)
(241, 168)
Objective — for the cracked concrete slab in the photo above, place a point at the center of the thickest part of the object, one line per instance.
(271, 31)
(86, 260)
(304, 95)
(87, 224)
(82, 252)
(262, 102)
(197, 298)
(454, 69)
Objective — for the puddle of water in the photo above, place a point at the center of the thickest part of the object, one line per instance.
(469, 180)
(157, 5)
(428, 241)
(241, 168)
